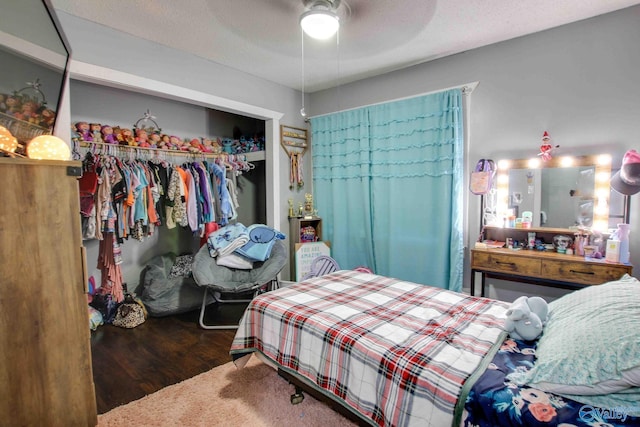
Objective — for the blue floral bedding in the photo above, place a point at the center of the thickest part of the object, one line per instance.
(495, 401)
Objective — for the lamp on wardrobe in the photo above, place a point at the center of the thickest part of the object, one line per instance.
(320, 21)
(48, 147)
(8, 143)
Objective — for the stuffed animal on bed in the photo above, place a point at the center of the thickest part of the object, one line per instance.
(526, 318)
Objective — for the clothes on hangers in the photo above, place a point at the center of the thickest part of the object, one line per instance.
(219, 173)
(134, 196)
(295, 170)
(109, 260)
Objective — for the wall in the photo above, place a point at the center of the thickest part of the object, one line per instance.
(579, 82)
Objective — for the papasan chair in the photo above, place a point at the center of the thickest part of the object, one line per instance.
(219, 280)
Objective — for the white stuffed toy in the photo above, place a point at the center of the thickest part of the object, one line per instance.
(526, 318)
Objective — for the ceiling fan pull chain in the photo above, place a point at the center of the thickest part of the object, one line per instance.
(303, 113)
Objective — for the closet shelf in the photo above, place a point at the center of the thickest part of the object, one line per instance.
(251, 156)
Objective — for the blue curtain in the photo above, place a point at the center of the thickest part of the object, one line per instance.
(388, 185)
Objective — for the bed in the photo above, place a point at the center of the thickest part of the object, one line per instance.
(396, 353)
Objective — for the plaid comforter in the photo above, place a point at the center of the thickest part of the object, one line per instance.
(396, 352)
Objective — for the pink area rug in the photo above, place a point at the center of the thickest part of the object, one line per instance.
(226, 396)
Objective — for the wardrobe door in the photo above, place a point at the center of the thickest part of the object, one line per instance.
(45, 353)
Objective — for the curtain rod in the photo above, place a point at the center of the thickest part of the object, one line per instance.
(467, 88)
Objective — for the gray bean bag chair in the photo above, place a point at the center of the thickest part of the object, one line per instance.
(217, 279)
(168, 286)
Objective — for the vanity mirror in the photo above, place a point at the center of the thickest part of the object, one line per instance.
(560, 193)
(34, 56)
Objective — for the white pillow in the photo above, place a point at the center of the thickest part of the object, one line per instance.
(630, 378)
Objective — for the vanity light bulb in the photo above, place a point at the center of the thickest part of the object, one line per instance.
(503, 180)
(504, 164)
(566, 162)
(602, 193)
(600, 225)
(48, 147)
(534, 163)
(603, 177)
(604, 159)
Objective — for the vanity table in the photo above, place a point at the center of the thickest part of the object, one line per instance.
(544, 268)
(562, 192)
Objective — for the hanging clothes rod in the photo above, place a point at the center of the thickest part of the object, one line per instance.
(155, 152)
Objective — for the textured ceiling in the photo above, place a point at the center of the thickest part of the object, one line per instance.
(262, 37)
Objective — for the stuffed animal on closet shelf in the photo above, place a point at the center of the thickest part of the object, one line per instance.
(83, 129)
(108, 136)
(195, 146)
(96, 131)
(164, 143)
(142, 138)
(526, 317)
(175, 143)
(184, 145)
(207, 145)
(154, 140)
(216, 146)
(125, 137)
(227, 145)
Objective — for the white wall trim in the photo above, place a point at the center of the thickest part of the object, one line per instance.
(33, 51)
(108, 77)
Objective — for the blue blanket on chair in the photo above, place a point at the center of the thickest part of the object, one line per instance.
(261, 241)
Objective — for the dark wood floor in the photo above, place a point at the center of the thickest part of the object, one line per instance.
(131, 363)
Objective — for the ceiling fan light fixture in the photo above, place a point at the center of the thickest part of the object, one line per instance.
(320, 23)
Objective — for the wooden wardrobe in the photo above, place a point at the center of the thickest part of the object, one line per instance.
(45, 353)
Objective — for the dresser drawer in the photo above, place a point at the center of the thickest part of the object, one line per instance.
(504, 263)
(585, 273)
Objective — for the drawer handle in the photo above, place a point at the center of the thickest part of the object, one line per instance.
(591, 273)
(512, 264)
